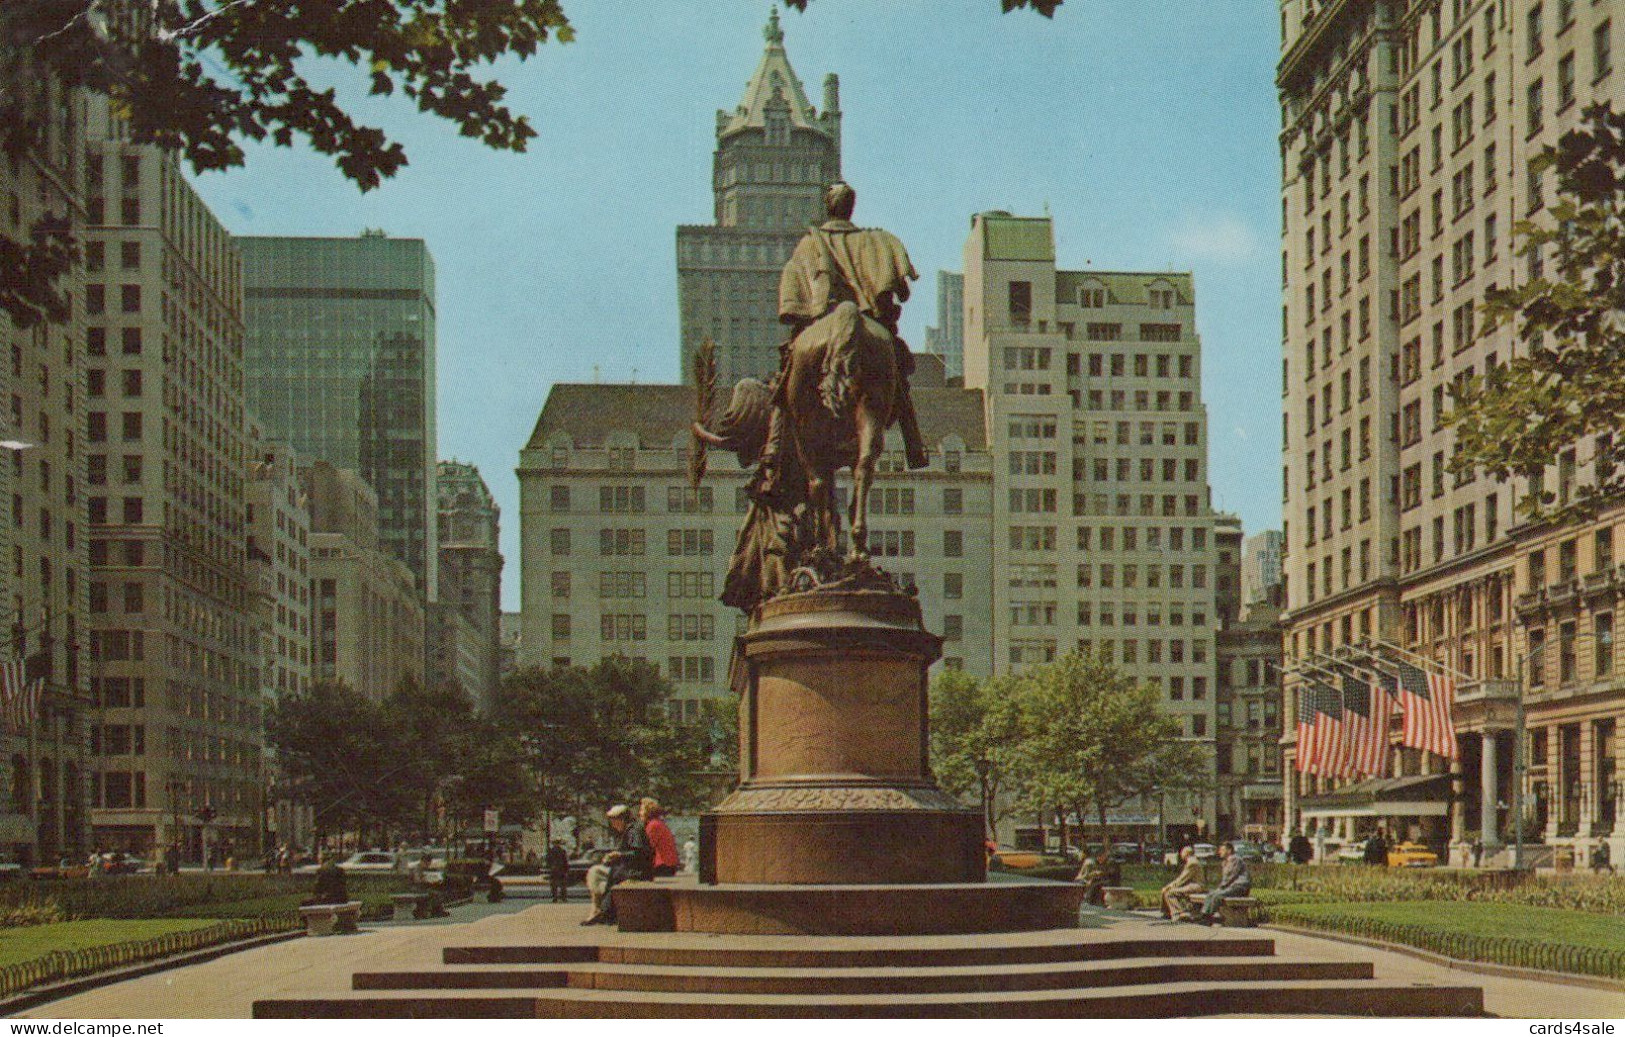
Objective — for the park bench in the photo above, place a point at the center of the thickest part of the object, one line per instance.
(410, 906)
(327, 919)
(1239, 912)
(1120, 898)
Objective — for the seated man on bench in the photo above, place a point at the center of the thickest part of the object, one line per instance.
(1233, 882)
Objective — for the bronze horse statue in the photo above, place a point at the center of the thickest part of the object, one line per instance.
(840, 394)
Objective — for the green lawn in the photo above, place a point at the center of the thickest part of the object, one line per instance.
(34, 941)
(1538, 924)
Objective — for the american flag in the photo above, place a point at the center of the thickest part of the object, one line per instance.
(1366, 709)
(1327, 753)
(19, 695)
(1305, 728)
(1426, 699)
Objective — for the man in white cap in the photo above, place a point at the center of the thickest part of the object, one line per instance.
(631, 859)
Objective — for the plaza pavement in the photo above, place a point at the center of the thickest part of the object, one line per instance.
(227, 987)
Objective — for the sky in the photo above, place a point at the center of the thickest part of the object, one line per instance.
(1147, 130)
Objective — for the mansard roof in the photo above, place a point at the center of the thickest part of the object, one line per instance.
(655, 415)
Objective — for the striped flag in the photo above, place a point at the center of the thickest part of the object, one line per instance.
(13, 684)
(1366, 709)
(20, 691)
(1426, 700)
(1305, 730)
(1327, 752)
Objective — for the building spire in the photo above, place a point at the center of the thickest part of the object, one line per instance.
(773, 34)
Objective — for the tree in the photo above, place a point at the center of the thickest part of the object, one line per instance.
(435, 726)
(1567, 389)
(975, 739)
(1092, 737)
(592, 737)
(334, 747)
(200, 76)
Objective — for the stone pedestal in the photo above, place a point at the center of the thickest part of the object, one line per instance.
(835, 782)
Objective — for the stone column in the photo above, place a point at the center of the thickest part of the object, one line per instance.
(1590, 801)
(1458, 807)
(1554, 782)
(1488, 782)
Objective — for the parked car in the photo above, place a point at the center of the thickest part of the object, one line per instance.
(1250, 852)
(1412, 855)
(10, 869)
(121, 864)
(1352, 853)
(1126, 853)
(370, 861)
(63, 869)
(1204, 852)
(1007, 859)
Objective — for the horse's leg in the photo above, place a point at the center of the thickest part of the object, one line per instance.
(871, 433)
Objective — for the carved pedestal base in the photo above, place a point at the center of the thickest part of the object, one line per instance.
(835, 785)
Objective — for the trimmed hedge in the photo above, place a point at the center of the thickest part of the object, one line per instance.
(60, 965)
(1516, 951)
(161, 896)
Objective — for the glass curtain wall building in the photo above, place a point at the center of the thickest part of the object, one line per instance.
(340, 363)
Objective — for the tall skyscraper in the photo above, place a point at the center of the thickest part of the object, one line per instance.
(471, 567)
(1104, 537)
(1409, 137)
(340, 363)
(947, 337)
(775, 156)
(178, 726)
(43, 536)
(1261, 568)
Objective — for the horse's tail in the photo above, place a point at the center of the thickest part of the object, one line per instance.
(839, 387)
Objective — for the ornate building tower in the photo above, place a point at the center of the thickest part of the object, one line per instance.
(775, 155)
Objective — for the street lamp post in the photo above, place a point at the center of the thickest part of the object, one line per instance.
(983, 768)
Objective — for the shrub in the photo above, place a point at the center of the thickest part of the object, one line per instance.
(161, 896)
(1516, 951)
(1594, 894)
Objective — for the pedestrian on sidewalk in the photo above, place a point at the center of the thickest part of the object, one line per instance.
(558, 872)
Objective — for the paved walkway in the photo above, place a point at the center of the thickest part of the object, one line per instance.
(228, 986)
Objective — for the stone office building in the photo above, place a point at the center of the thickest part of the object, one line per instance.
(470, 583)
(1104, 537)
(368, 622)
(1408, 136)
(45, 566)
(775, 156)
(620, 556)
(177, 727)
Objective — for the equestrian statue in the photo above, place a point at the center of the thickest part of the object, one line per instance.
(842, 382)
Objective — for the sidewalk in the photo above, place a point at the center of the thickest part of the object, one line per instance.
(227, 987)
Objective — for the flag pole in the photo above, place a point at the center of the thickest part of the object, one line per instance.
(1427, 663)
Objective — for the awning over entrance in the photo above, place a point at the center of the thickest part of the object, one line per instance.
(1425, 795)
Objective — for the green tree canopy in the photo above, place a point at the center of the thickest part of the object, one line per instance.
(590, 737)
(1566, 388)
(1094, 738)
(334, 749)
(975, 722)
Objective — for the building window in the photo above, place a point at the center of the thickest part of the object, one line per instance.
(559, 542)
(1021, 302)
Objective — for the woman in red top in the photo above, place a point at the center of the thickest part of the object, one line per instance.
(661, 842)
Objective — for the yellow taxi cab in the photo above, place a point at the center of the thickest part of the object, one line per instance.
(1412, 855)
